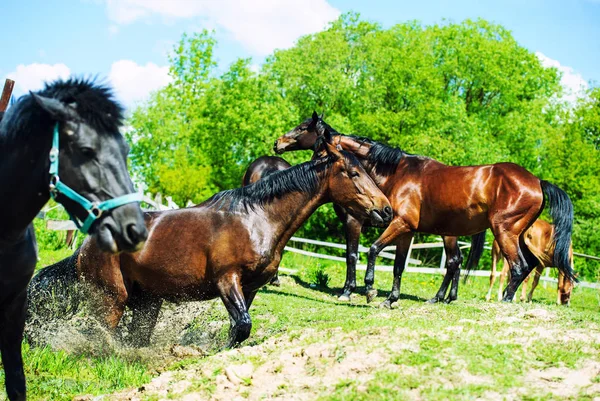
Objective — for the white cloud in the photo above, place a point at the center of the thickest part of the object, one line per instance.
(133, 83)
(573, 84)
(31, 77)
(259, 25)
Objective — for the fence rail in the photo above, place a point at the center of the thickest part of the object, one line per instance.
(157, 204)
(412, 269)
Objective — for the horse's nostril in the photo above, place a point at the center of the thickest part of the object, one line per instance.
(135, 234)
(388, 210)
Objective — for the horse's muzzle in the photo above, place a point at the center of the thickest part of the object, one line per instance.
(381, 217)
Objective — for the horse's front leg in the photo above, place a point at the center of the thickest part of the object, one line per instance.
(232, 295)
(393, 231)
(16, 270)
(146, 308)
(402, 247)
(12, 324)
(352, 228)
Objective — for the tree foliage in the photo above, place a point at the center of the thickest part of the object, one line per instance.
(463, 93)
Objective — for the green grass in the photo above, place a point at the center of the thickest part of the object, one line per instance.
(427, 348)
(57, 375)
(48, 257)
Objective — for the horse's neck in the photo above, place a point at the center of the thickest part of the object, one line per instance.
(23, 190)
(288, 213)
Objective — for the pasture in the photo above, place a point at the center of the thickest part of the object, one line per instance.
(307, 345)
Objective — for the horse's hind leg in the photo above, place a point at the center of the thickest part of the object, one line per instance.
(520, 259)
(230, 290)
(495, 257)
(504, 275)
(537, 273)
(453, 261)
(402, 246)
(352, 227)
(146, 309)
(12, 324)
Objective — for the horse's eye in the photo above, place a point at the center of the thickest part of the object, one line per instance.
(354, 174)
(88, 152)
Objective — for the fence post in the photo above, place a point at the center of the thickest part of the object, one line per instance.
(443, 260)
(9, 84)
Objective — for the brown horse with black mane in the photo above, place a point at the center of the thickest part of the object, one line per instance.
(430, 197)
(227, 247)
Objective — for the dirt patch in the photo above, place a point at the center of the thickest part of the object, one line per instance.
(296, 368)
(564, 382)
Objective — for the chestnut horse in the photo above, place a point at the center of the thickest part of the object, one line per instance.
(70, 129)
(259, 168)
(430, 197)
(539, 240)
(227, 247)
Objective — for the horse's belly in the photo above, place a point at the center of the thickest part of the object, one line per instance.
(454, 223)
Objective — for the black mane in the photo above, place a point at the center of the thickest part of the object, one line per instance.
(95, 104)
(385, 158)
(299, 178)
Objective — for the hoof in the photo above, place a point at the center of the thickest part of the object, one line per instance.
(488, 298)
(448, 300)
(433, 300)
(275, 283)
(386, 304)
(344, 298)
(371, 294)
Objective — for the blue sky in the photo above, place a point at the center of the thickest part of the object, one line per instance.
(126, 41)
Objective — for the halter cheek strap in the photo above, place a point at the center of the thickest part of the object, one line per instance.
(93, 209)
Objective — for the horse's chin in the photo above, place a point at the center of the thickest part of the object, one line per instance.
(105, 239)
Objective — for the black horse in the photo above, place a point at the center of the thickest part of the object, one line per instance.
(70, 129)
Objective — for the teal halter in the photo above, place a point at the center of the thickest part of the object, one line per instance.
(93, 209)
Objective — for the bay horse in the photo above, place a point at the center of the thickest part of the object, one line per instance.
(259, 168)
(227, 247)
(539, 240)
(70, 129)
(430, 197)
(378, 166)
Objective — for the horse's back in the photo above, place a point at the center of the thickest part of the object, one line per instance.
(262, 167)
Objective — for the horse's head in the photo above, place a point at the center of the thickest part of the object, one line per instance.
(91, 158)
(303, 137)
(352, 188)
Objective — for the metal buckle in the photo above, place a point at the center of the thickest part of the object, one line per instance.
(96, 211)
(53, 154)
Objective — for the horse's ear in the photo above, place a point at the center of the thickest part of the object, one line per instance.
(332, 151)
(315, 116)
(57, 109)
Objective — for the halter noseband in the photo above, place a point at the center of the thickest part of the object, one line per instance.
(93, 209)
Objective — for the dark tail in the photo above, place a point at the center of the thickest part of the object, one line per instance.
(52, 292)
(477, 243)
(561, 210)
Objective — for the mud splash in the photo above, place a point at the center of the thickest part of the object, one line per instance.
(183, 330)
